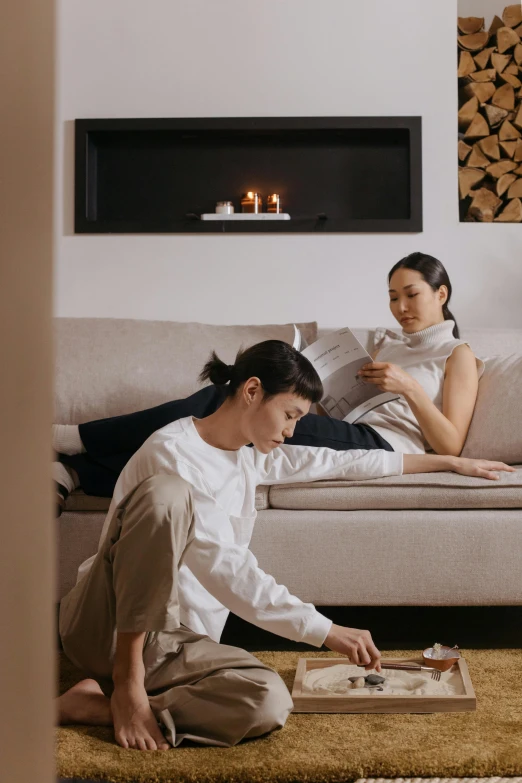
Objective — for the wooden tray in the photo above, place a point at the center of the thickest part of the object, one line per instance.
(381, 702)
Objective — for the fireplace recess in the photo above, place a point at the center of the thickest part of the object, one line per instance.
(334, 174)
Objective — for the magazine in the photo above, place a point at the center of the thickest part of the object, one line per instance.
(337, 358)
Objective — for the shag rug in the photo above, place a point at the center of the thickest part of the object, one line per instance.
(316, 748)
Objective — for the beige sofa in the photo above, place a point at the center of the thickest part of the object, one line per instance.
(427, 539)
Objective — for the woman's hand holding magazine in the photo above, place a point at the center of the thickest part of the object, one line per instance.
(388, 377)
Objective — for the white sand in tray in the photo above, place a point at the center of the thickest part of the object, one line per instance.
(333, 680)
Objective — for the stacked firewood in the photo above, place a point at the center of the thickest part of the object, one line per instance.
(490, 117)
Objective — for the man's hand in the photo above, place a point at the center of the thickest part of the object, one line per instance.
(483, 468)
(429, 463)
(356, 644)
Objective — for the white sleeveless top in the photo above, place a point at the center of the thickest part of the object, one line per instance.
(423, 355)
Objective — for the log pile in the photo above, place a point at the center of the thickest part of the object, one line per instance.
(490, 117)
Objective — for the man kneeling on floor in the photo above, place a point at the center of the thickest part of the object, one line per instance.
(146, 615)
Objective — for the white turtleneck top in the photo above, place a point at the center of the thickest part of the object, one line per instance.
(423, 355)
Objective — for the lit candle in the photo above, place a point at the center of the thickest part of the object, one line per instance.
(273, 203)
(251, 202)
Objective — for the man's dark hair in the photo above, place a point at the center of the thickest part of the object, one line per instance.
(279, 367)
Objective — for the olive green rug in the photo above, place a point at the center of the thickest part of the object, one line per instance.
(328, 748)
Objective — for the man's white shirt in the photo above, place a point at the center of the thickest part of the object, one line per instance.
(218, 572)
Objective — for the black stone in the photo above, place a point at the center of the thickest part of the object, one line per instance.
(374, 679)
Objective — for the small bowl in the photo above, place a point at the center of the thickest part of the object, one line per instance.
(442, 664)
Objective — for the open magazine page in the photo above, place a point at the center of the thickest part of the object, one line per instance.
(337, 358)
(299, 341)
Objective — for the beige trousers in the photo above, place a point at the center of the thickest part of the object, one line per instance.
(198, 689)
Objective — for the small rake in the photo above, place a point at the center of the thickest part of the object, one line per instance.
(411, 667)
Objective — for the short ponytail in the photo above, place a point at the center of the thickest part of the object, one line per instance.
(216, 371)
(279, 367)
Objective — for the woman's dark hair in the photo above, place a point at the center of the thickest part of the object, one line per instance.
(433, 272)
(279, 367)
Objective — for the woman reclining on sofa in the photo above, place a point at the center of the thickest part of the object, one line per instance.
(434, 371)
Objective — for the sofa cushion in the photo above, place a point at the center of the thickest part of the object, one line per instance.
(496, 428)
(110, 366)
(412, 491)
(79, 501)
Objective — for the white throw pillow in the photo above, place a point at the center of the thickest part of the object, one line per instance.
(496, 428)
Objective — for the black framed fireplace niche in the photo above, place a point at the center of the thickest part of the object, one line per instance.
(333, 174)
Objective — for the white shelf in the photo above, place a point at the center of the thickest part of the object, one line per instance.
(246, 216)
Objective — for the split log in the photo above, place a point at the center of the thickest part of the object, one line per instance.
(512, 68)
(484, 91)
(475, 42)
(518, 152)
(495, 25)
(477, 159)
(489, 147)
(504, 182)
(518, 31)
(508, 131)
(471, 24)
(512, 213)
(489, 75)
(515, 190)
(466, 64)
(499, 61)
(517, 120)
(512, 15)
(477, 128)
(495, 115)
(509, 147)
(468, 178)
(518, 171)
(517, 54)
(496, 170)
(481, 90)
(485, 205)
(468, 113)
(504, 97)
(507, 77)
(464, 150)
(482, 58)
(506, 39)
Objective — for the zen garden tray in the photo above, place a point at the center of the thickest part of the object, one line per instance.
(363, 700)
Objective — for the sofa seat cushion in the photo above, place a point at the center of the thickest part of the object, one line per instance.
(417, 490)
(79, 501)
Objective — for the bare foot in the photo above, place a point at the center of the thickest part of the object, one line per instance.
(85, 702)
(134, 723)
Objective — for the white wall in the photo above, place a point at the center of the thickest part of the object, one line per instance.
(128, 58)
(485, 8)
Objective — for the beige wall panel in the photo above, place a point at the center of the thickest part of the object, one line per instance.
(26, 523)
